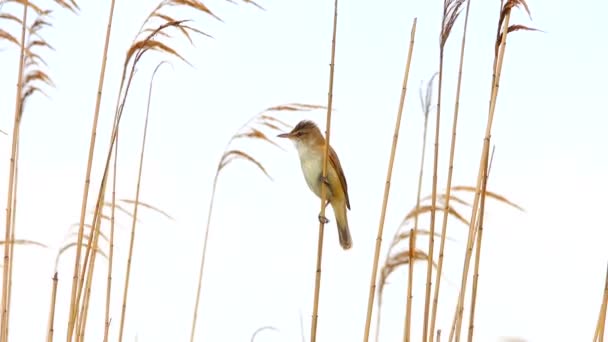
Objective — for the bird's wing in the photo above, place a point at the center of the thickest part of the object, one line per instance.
(335, 162)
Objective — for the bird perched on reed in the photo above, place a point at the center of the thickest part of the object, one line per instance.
(310, 143)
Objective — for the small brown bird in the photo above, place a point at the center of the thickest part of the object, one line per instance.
(310, 143)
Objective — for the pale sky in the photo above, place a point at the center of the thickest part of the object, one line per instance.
(542, 271)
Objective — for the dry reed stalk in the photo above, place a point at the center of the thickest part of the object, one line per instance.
(87, 268)
(387, 186)
(451, 10)
(449, 177)
(33, 74)
(136, 207)
(601, 320)
(80, 329)
(87, 182)
(482, 205)
(51, 324)
(246, 131)
(13, 223)
(503, 30)
(10, 188)
(315, 305)
(111, 243)
(410, 286)
(133, 56)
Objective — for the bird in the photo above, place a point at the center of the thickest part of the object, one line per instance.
(310, 144)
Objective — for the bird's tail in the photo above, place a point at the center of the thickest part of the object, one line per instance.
(346, 240)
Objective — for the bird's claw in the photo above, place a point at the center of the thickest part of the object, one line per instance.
(323, 219)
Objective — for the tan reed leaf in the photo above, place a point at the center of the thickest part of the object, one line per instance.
(159, 33)
(147, 44)
(74, 4)
(38, 75)
(395, 261)
(170, 19)
(257, 134)
(31, 5)
(403, 236)
(40, 23)
(295, 107)
(231, 155)
(119, 207)
(491, 194)
(428, 208)
(68, 5)
(442, 198)
(31, 90)
(273, 119)
(271, 126)
(73, 244)
(249, 2)
(7, 36)
(39, 42)
(11, 17)
(194, 4)
(33, 59)
(521, 27)
(148, 206)
(103, 236)
(25, 242)
(193, 29)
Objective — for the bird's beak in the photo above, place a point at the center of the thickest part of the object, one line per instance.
(284, 135)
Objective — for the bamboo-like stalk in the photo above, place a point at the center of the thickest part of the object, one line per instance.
(444, 223)
(135, 53)
(315, 305)
(87, 182)
(11, 180)
(87, 267)
(601, 320)
(13, 224)
(51, 330)
(387, 184)
(410, 283)
(80, 329)
(450, 14)
(455, 332)
(106, 330)
(413, 235)
(135, 207)
(482, 205)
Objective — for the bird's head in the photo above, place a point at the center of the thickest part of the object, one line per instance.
(305, 133)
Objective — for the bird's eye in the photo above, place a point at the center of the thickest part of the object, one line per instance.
(299, 134)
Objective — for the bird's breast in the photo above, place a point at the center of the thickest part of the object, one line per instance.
(312, 164)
